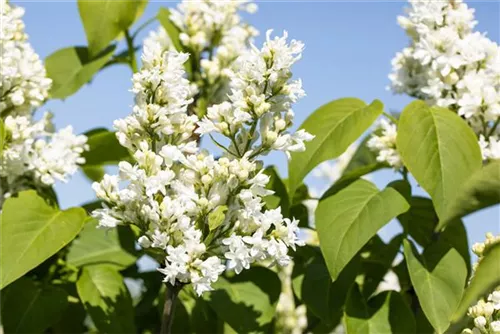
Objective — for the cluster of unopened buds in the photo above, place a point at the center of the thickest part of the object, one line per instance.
(199, 214)
(486, 313)
(33, 154)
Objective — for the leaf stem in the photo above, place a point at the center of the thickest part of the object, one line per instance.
(390, 117)
(144, 25)
(169, 307)
(131, 51)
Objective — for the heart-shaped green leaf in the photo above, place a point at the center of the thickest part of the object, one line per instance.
(387, 312)
(439, 149)
(335, 125)
(31, 308)
(33, 231)
(480, 191)
(99, 246)
(105, 20)
(247, 302)
(438, 277)
(71, 68)
(349, 219)
(106, 299)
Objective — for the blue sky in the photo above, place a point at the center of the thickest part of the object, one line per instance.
(349, 46)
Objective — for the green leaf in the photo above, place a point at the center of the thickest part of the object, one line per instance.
(387, 312)
(336, 125)
(376, 260)
(363, 156)
(314, 287)
(72, 67)
(105, 20)
(31, 308)
(99, 246)
(438, 278)
(247, 302)
(350, 177)
(216, 217)
(104, 149)
(480, 191)
(439, 149)
(33, 231)
(94, 173)
(421, 220)
(349, 219)
(280, 196)
(106, 299)
(485, 279)
(171, 29)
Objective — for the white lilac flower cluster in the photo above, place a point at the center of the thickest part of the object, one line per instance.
(214, 35)
(200, 214)
(290, 318)
(258, 114)
(450, 65)
(23, 84)
(384, 143)
(33, 155)
(486, 313)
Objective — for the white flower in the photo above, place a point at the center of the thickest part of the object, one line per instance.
(494, 297)
(480, 322)
(490, 149)
(24, 84)
(448, 64)
(495, 327)
(385, 144)
(171, 189)
(34, 156)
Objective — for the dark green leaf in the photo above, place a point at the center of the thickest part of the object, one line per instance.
(280, 196)
(94, 173)
(336, 125)
(349, 219)
(31, 308)
(247, 302)
(71, 68)
(376, 260)
(314, 287)
(387, 312)
(439, 149)
(106, 299)
(420, 221)
(32, 231)
(104, 149)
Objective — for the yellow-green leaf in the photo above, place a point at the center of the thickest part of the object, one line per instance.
(31, 232)
(335, 125)
(438, 277)
(439, 149)
(349, 219)
(71, 68)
